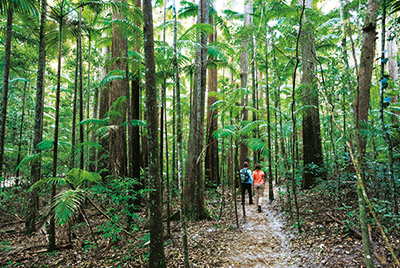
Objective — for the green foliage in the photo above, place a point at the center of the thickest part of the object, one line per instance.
(67, 204)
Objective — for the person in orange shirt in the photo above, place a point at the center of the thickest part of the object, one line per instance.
(258, 185)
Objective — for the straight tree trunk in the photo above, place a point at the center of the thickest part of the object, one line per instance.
(92, 150)
(157, 257)
(244, 69)
(211, 159)
(270, 175)
(194, 188)
(38, 129)
(180, 147)
(73, 134)
(21, 128)
(52, 228)
(312, 145)
(6, 78)
(117, 143)
(361, 110)
(81, 127)
(103, 109)
(89, 165)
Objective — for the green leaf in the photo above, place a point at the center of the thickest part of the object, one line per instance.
(27, 160)
(135, 122)
(77, 176)
(225, 132)
(66, 204)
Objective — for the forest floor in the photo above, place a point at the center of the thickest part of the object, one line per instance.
(267, 239)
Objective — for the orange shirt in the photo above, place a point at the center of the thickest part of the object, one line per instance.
(258, 176)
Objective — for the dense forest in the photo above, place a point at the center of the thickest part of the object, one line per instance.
(124, 125)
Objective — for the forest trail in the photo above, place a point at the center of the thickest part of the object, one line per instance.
(263, 242)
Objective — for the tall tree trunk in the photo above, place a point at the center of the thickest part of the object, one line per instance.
(52, 228)
(346, 79)
(362, 108)
(157, 258)
(89, 165)
(270, 176)
(312, 146)
(117, 144)
(92, 150)
(104, 105)
(38, 129)
(73, 134)
(194, 192)
(6, 78)
(21, 128)
(180, 147)
(81, 127)
(211, 159)
(244, 69)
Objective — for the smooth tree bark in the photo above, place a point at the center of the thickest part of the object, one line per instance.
(312, 145)
(21, 130)
(211, 159)
(104, 105)
(52, 228)
(137, 154)
(270, 175)
(194, 184)
(74, 107)
(157, 257)
(180, 145)
(244, 70)
(361, 112)
(6, 78)
(81, 127)
(117, 144)
(38, 128)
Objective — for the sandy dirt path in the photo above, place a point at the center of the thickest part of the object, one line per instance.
(263, 242)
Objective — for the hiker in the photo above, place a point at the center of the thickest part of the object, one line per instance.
(246, 182)
(258, 185)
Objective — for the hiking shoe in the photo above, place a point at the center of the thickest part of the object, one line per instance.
(259, 208)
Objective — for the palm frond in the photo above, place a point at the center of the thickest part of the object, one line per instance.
(77, 176)
(27, 159)
(228, 131)
(66, 204)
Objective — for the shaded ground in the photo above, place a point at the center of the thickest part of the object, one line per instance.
(266, 240)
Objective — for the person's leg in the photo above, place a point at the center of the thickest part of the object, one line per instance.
(250, 194)
(256, 193)
(260, 194)
(243, 188)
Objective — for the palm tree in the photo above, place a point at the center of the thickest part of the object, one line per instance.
(9, 7)
(157, 257)
(38, 128)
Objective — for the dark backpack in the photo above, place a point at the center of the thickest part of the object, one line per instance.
(244, 175)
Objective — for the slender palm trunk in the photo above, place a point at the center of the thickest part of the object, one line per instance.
(73, 134)
(6, 78)
(38, 129)
(52, 228)
(157, 257)
(81, 127)
(270, 175)
(180, 146)
(21, 128)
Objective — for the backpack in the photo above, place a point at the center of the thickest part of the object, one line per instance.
(244, 175)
